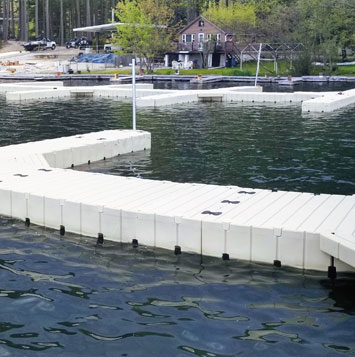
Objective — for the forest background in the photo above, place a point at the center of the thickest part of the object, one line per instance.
(324, 27)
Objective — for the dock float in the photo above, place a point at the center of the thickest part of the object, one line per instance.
(295, 229)
(149, 97)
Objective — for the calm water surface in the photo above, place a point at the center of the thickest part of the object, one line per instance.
(66, 297)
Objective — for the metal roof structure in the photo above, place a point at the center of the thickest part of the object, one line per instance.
(100, 28)
(108, 27)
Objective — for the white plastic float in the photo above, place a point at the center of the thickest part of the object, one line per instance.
(297, 229)
(149, 97)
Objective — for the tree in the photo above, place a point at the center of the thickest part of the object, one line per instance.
(324, 28)
(238, 18)
(148, 31)
(36, 19)
(47, 18)
(279, 24)
(61, 23)
(88, 16)
(208, 47)
(6, 14)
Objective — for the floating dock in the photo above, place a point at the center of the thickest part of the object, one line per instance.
(149, 97)
(297, 229)
(158, 77)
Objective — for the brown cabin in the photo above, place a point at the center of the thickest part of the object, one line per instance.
(201, 40)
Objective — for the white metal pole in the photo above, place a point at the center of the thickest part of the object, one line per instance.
(134, 92)
(258, 66)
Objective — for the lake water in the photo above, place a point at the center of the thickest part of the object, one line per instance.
(64, 296)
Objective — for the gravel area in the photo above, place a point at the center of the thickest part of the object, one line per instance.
(13, 59)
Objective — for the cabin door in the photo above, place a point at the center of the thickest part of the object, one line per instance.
(216, 58)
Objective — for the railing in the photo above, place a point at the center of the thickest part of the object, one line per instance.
(198, 46)
(240, 48)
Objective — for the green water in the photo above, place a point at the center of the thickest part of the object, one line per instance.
(274, 147)
(63, 296)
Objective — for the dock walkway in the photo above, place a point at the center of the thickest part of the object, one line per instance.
(297, 229)
(149, 97)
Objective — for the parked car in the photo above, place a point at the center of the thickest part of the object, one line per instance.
(80, 43)
(73, 43)
(84, 43)
(42, 43)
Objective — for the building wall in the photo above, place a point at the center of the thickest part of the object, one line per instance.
(195, 29)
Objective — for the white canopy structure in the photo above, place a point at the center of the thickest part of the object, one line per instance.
(99, 28)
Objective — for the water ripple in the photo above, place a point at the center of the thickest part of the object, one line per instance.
(126, 335)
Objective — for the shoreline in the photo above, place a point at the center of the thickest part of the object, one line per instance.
(184, 78)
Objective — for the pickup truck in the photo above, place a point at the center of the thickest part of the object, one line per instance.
(40, 44)
(110, 48)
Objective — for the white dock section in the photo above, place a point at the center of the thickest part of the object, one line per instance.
(29, 91)
(149, 97)
(329, 101)
(302, 230)
(73, 150)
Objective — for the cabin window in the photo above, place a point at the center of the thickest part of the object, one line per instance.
(188, 38)
(184, 38)
(201, 37)
(209, 36)
(201, 23)
(218, 37)
(229, 38)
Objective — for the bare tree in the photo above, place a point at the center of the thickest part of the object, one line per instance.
(12, 19)
(25, 20)
(5, 23)
(88, 15)
(61, 23)
(36, 19)
(47, 17)
(78, 22)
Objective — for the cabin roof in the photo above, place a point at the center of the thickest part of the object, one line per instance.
(204, 19)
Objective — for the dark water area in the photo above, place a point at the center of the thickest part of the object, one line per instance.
(63, 296)
(267, 87)
(66, 297)
(272, 147)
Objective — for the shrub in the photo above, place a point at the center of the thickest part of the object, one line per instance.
(302, 66)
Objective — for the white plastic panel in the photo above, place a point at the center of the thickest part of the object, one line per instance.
(111, 224)
(257, 225)
(263, 245)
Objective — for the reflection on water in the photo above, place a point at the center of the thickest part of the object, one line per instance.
(273, 147)
(64, 296)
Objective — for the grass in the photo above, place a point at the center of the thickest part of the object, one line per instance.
(204, 71)
(249, 69)
(344, 71)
